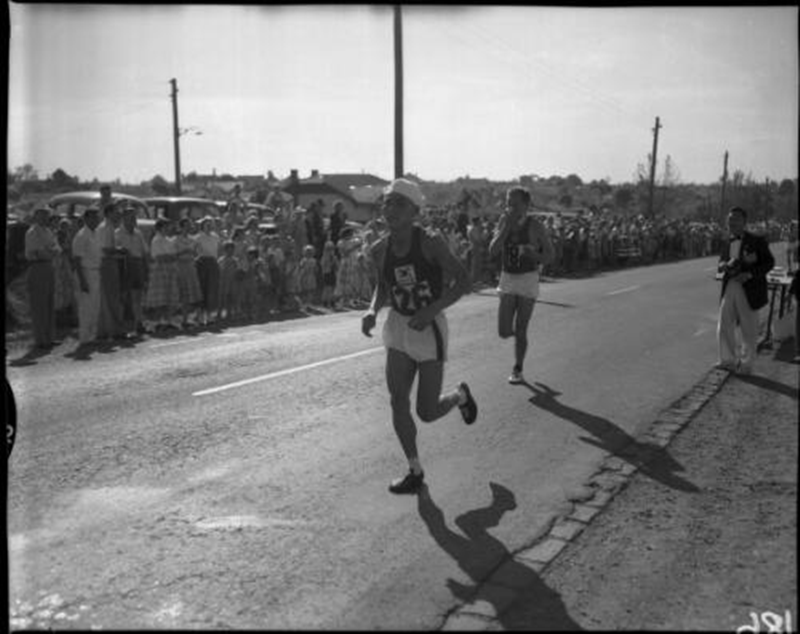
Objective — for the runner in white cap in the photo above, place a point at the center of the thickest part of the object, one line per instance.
(412, 268)
(524, 245)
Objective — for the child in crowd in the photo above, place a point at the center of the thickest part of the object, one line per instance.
(307, 276)
(276, 261)
(228, 268)
(291, 278)
(347, 276)
(265, 298)
(328, 264)
(249, 303)
(364, 277)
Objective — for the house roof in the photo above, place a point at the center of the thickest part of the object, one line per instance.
(360, 188)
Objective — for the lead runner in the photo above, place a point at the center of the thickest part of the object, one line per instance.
(412, 270)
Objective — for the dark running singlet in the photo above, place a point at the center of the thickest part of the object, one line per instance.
(513, 260)
(413, 281)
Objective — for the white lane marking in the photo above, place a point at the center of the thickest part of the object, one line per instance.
(623, 290)
(274, 375)
(701, 331)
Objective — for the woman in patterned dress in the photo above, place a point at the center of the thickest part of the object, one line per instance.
(65, 303)
(162, 290)
(189, 291)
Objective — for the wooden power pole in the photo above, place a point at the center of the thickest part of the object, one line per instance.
(398, 92)
(724, 185)
(653, 168)
(176, 135)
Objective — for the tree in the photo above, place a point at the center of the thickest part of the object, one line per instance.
(601, 186)
(623, 197)
(60, 178)
(573, 180)
(26, 173)
(786, 188)
(160, 186)
(669, 180)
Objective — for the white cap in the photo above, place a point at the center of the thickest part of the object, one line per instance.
(406, 188)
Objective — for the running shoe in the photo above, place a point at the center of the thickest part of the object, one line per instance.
(469, 410)
(516, 377)
(411, 483)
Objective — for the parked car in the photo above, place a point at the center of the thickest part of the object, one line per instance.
(15, 262)
(73, 204)
(177, 207)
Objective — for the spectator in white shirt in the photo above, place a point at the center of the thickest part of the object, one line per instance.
(87, 255)
(208, 269)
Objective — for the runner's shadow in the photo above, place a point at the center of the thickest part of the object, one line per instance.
(650, 459)
(769, 384)
(478, 554)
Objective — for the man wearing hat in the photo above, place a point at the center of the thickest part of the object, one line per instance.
(413, 271)
(41, 247)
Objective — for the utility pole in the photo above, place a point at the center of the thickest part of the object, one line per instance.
(767, 202)
(176, 135)
(724, 184)
(653, 167)
(398, 92)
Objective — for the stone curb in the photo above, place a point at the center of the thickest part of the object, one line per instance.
(611, 477)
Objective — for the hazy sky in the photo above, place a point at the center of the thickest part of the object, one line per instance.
(492, 92)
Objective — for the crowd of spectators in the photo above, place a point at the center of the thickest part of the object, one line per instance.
(243, 267)
(234, 268)
(586, 243)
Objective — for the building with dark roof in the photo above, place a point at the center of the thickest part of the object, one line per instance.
(358, 193)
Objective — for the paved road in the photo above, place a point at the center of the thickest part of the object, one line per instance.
(238, 480)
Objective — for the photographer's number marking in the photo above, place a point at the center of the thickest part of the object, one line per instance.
(773, 623)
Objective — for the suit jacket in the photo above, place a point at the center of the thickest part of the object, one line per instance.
(755, 258)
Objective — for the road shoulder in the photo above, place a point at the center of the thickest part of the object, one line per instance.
(670, 557)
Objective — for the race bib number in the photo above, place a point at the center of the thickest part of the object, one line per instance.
(410, 294)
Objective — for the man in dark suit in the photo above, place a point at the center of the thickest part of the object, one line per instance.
(744, 263)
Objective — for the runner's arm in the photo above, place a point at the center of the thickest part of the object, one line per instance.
(499, 237)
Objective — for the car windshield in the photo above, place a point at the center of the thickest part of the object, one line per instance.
(77, 207)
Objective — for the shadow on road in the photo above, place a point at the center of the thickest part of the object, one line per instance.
(650, 459)
(29, 358)
(769, 384)
(478, 554)
(786, 352)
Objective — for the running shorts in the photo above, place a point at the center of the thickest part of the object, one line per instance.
(429, 344)
(522, 284)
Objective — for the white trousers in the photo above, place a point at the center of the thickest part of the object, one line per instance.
(88, 306)
(735, 311)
